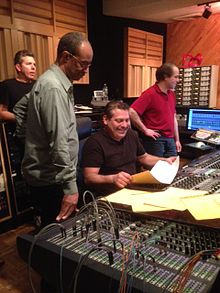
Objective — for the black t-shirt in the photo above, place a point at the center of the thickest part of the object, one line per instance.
(111, 156)
(12, 90)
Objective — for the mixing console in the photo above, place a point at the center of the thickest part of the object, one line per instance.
(210, 160)
(127, 252)
(139, 253)
(201, 174)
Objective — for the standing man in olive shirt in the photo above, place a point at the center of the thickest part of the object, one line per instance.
(51, 148)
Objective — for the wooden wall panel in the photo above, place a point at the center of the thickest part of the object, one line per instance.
(143, 52)
(154, 50)
(71, 14)
(37, 26)
(193, 37)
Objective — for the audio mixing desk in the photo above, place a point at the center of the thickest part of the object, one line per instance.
(115, 250)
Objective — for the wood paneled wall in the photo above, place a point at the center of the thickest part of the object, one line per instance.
(193, 37)
(37, 26)
(143, 53)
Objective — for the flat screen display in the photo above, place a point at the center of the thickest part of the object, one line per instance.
(203, 118)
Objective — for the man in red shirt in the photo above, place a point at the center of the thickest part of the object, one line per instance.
(154, 114)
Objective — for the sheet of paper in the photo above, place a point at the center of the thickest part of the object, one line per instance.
(83, 112)
(171, 198)
(144, 178)
(203, 207)
(140, 200)
(147, 208)
(184, 193)
(134, 198)
(217, 198)
(127, 196)
(165, 200)
(162, 172)
(165, 172)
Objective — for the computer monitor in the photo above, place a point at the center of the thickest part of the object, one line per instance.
(199, 118)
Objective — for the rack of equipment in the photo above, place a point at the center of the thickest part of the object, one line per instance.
(7, 201)
(197, 86)
(15, 204)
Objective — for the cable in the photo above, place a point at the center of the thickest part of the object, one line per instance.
(36, 238)
(129, 287)
(96, 204)
(125, 264)
(115, 222)
(84, 196)
(82, 261)
(185, 271)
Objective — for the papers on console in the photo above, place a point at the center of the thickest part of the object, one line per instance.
(203, 207)
(133, 198)
(172, 198)
(162, 172)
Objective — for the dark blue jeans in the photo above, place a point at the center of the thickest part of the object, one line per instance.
(161, 147)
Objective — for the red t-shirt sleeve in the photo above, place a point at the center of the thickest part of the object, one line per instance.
(142, 103)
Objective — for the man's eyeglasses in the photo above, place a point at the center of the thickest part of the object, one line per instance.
(83, 64)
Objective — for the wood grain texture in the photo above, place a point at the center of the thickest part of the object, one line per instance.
(143, 51)
(37, 26)
(14, 273)
(193, 37)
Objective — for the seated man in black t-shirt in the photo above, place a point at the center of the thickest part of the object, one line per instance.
(110, 156)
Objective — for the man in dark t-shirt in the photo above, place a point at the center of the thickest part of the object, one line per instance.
(110, 156)
(12, 90)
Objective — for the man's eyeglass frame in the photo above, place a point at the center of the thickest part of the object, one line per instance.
(83, 65)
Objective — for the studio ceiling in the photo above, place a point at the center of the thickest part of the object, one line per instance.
(164, 11)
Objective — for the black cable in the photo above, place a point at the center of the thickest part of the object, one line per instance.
(82, 261)
(36, 238)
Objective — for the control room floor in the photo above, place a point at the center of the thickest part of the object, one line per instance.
(14, 273)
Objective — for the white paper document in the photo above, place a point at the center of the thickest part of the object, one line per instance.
(162, 172)
(165, 172)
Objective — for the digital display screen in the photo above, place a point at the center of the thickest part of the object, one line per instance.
(203, 118)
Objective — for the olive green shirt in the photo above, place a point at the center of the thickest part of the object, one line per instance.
(51, 146)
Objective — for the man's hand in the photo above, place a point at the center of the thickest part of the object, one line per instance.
(121, 179)
(151, 133)
(68, 206)
(170, 160)
(178, 146)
